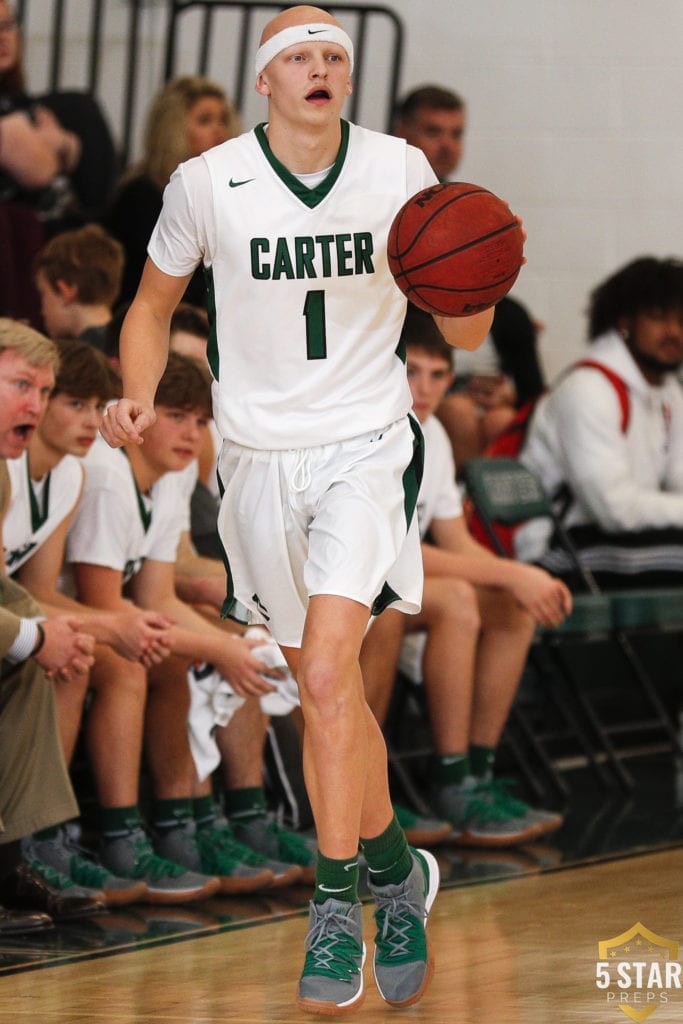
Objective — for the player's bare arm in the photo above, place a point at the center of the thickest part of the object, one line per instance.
(465, 331)
(144, 352)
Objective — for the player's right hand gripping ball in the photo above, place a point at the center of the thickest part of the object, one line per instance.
(455, 249)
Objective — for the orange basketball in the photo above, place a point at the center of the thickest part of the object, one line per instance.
(455, 249)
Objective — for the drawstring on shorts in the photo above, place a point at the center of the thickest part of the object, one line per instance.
(301, 477)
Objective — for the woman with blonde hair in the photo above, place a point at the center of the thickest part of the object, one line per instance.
(190, 115)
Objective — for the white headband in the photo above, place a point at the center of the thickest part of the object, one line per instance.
(315, 32)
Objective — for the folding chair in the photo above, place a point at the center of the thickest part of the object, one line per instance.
(504, 492)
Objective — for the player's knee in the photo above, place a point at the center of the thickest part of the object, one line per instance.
(460, 604)
(323, 687)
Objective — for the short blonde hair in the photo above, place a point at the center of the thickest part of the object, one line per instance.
(37, 350)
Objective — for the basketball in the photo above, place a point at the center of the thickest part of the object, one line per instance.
(455, 249)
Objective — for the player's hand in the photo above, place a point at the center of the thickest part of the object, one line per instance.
(244, 671)
(141, 636)
(125, 421)
(544, 596)
(66, 648)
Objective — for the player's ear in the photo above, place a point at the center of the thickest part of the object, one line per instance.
(262, 86)
(349, 87)
(68, 293)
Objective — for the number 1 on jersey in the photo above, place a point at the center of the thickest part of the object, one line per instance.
(316, 338)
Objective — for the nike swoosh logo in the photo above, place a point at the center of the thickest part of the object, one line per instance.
(236, 184)
(316, 31)
(324, 888)
(350, 867)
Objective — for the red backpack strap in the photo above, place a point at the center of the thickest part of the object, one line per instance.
(619, 385)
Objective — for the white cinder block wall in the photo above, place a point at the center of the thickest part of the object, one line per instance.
(575, 117)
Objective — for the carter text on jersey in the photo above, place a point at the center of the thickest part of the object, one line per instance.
(309, 256)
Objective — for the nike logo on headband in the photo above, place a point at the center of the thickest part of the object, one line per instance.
(315, 31)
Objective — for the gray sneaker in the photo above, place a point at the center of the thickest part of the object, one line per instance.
(332, 979)
(64, 855)
(265, 835)
(198, 850)
(402, 965)
(130, 855)
(58, 880)
(543, 822)
(223, 834)
(479, 817)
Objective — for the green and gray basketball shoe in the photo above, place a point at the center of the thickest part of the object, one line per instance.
(131, 855)
(332, 979)
(541, 821)
(63, 854)
(480, 817)
(265, 835)
(402, 964)
(201, 849)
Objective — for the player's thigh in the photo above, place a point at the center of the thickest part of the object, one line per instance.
(360, 525)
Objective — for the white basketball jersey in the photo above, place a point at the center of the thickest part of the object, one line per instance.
(115, 525)
(36, 510)
(305, 313)
(438, 497)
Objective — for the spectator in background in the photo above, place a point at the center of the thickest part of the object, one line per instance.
(433, 119)
(36, 152)
(190, 115)
(78, 277)
(504, 373)
(56, 151)
(607, 441)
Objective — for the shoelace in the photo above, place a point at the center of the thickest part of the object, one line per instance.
(290, 845)
(147, 862)
(57, 879)
(400, 927)
(483, 806)
(502, 795)
(222, 840)
(86, 872)
(332, 947)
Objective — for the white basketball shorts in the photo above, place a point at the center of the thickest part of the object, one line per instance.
(336, 519)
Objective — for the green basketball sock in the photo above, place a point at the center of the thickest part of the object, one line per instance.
(169, 814)
(481, 761)
(246, 804)
(336, 879)
(205, 810)
(388, 855)
(449, 769)
(117, 821)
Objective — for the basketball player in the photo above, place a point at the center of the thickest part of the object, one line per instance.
(320, 462)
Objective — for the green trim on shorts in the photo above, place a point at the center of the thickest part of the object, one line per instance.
(412, 478)
(229, 608)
